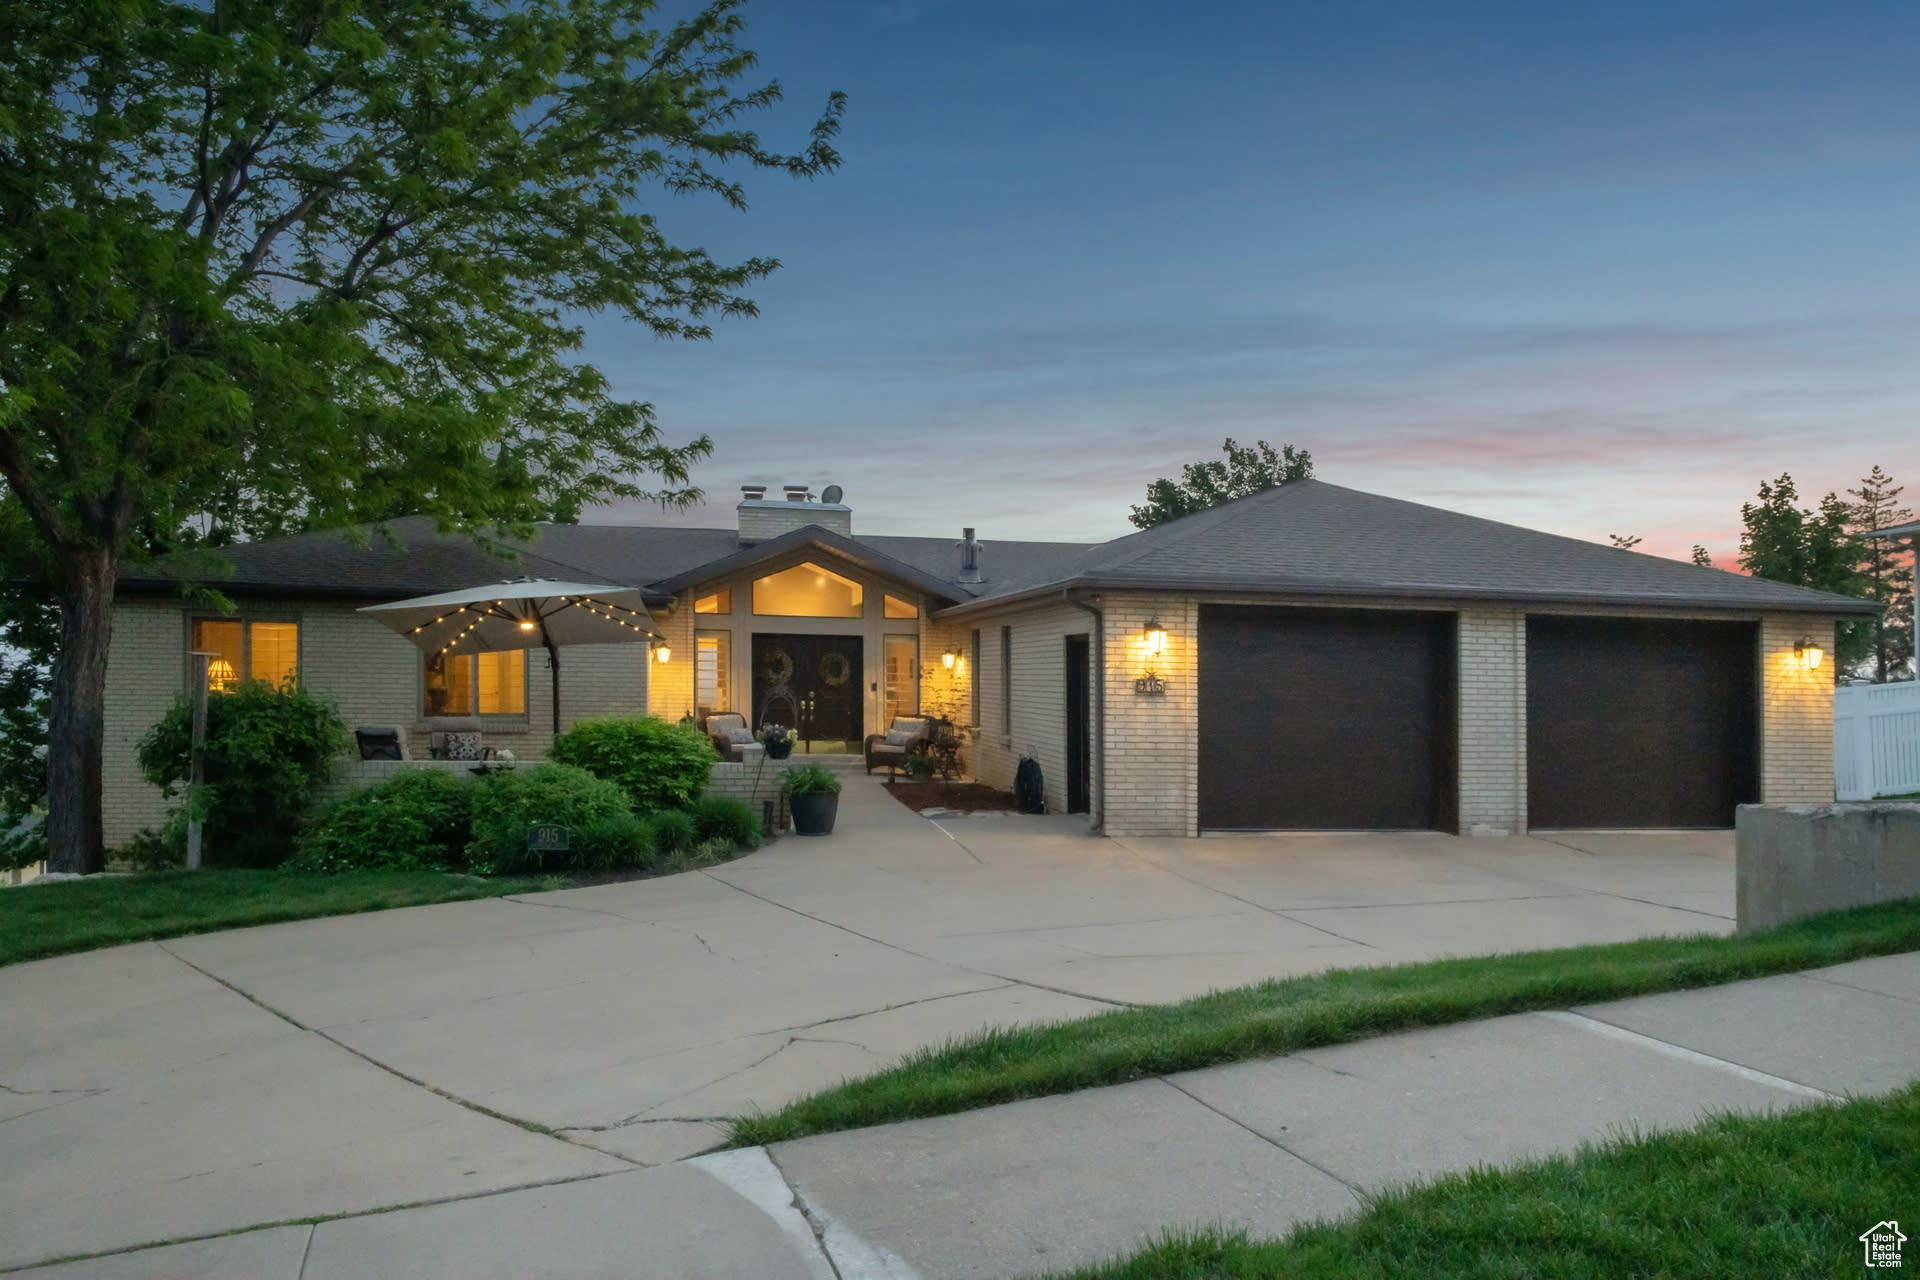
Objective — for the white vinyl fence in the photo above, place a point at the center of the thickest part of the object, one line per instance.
(1876, 740)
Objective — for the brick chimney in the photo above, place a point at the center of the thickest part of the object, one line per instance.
(762, 517)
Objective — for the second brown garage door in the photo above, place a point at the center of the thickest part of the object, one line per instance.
(1326, 719)
(1640, 723)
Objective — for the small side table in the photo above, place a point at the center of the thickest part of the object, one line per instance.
(946, 750)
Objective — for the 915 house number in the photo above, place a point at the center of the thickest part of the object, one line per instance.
(1150, 686)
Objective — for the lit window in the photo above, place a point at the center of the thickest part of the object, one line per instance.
(720, 601)
(898, 608)
(245, 650)
(466, 684)
(902, 670)
(807, 591)
(713, 657)
(273, 651)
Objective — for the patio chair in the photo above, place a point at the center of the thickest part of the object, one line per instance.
(890, 750)
(729, 732)
(456, 738)
(381, 742)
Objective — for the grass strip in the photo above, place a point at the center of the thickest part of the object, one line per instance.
(79, 915)
(1738, 1196)
(1280, 1016)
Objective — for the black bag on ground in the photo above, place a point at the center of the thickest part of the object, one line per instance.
(1029, 788)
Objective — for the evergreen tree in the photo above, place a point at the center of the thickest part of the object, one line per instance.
(1888, 570)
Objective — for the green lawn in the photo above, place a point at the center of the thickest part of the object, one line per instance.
(1739, 1196)
(1275, 1017)
(78, 915)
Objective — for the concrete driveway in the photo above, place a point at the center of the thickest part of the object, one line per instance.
(175, 1090)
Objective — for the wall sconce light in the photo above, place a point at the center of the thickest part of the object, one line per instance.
(948, 658)
(663, 652)
(1810, 654)
(1154, 636)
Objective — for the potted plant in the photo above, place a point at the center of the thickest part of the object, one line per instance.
(921, 763)
(813, 796)
(778, 740)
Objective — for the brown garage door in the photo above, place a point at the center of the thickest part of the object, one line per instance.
(1326, 719)
(1640, 723)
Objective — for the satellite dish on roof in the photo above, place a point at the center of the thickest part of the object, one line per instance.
(832, 493)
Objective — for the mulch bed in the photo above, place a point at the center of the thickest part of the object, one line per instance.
(963, 797)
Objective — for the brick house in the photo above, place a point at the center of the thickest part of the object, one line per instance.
(1311, 657)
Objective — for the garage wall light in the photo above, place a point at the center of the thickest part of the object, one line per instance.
(1154, 636)
(663, 652)
(1810, 654)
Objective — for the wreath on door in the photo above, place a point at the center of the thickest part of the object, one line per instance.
(835, 670)
(778, 667)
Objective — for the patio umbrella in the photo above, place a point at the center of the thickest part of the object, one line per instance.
(519, 614)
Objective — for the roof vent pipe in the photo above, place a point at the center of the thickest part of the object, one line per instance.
(969, 557)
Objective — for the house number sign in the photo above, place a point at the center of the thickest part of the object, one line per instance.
(547, 837)
(1150, 686)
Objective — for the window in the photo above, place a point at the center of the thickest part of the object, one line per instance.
(720, 601)
(1006, 679)
(973, 674)
(807, 591)
(712, 671)
(469, 684)
(246, 650)
(902, 671)
(898, 608)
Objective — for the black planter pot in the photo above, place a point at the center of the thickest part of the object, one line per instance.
(814, 812)
(780, 750)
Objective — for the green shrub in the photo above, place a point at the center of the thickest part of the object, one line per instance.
(266, 750)
(805, 779)
(417, 820)
(616, 841)
(722, 817)
(150, 850)
(508, 801)
(659, 765)
(674, 831)
(714, 851)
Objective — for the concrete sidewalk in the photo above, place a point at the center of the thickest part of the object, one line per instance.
(1058, 1182)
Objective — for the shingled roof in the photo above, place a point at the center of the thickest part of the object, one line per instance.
(410, 557)
(1306, 538)
(1311, 538)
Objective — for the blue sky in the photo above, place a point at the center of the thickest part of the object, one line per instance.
(1587, 268)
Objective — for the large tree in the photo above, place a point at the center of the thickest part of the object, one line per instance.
(1887, 571)
(1810, 547)
(1207, 484)
(324, 258)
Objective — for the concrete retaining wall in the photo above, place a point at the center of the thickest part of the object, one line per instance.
(1802, 859)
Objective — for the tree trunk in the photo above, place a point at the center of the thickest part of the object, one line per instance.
(76, 729)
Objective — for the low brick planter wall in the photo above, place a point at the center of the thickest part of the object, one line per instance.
(756, 782)
(1794, 860)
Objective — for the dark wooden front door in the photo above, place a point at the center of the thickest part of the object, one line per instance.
(1079, 724)
(812, 683)
(1639, 722)
(1326, 719)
